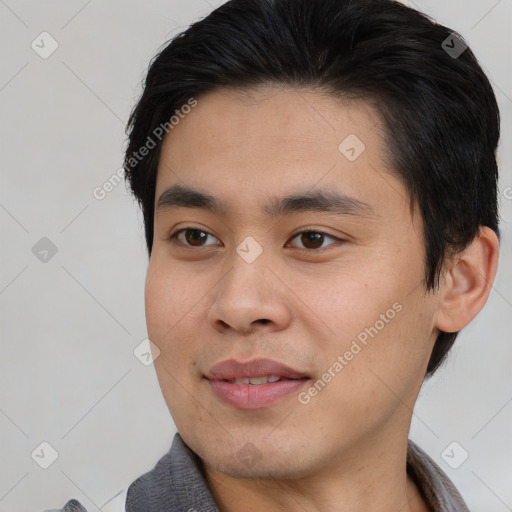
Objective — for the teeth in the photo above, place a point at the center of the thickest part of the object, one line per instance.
(256, 380)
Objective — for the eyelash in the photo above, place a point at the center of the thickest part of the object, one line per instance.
(173, 237)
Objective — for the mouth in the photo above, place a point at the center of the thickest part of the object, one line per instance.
(258, 381)
(253, 370)
(254, 384)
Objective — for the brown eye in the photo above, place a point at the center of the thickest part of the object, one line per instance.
(192, 237)
(313, 239)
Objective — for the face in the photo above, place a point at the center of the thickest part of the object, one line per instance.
(334, 293)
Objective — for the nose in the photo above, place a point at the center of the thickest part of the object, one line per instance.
(250, 296)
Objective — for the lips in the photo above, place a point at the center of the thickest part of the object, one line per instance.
(255, 384)
(232, 370)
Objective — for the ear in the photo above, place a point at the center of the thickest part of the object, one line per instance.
(467, 282)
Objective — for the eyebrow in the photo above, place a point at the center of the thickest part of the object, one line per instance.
(319, 200)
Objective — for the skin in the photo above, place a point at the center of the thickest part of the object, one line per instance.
(299, 302)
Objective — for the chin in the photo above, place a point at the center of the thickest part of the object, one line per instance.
(245, 460)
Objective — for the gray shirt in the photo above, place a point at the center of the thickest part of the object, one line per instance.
(177, 484)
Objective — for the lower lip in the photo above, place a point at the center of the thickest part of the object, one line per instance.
(249, 396)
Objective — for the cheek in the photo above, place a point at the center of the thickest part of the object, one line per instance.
(158, 302)
(167, 299)
(173, 312)
(385, 358)
(382, 322)
(167, 321)
(354, 303)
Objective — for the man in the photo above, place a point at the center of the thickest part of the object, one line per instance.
(318, 182)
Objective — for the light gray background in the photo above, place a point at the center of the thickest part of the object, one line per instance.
(69, 326)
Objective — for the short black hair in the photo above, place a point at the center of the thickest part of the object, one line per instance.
(439, 111)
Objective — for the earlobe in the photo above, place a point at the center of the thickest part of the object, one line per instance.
(467, 282)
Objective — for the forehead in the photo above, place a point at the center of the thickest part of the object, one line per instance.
(279, 113)
(246, 145)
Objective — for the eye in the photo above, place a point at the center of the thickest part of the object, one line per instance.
(193, 237)
(313, 239)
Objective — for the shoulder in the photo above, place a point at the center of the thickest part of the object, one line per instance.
(149, 489)
(70, 506)
(439, 491)
(114, 504)
(176, 483)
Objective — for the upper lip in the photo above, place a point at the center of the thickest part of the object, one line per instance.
(233, 369)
